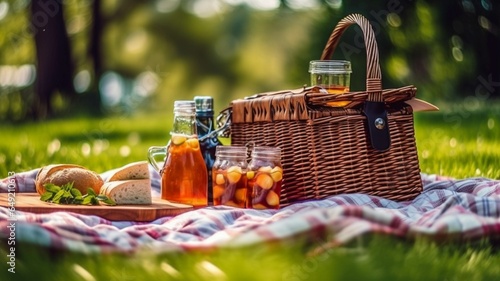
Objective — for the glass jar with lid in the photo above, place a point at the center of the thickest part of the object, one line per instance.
(265, 178)
(229, 179)
(334, 76)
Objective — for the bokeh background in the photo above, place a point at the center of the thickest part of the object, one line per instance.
(101, 57)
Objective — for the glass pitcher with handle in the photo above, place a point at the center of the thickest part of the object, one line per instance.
(184, 177)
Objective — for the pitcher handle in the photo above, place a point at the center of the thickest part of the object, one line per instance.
(155, 151)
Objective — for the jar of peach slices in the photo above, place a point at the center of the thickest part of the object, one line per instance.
(229, 178)
(265, 177)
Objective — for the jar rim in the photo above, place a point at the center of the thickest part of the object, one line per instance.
(184, 106)
(330, 66)
(229, 150)
(266, 151)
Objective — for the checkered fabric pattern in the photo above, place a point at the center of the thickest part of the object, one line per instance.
(458, 210)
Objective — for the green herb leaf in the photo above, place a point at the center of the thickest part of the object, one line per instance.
(76, 193)
(52, 187)
(68, 186)
(66, 194)
(87, 200)
(57, 196)
(46, 196)
(106, 200)
(90, 191)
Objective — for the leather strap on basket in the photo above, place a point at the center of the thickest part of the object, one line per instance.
(374, 107)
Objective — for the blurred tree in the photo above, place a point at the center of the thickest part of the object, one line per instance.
(95, 38)
(54, 62)
(472, 30)
(449, 49)
(230, 49)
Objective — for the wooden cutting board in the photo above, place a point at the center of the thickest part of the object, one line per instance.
(30, 202)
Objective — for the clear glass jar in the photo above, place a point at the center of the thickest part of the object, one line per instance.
(265, 178)
(229, 179)
(332, 75)
(184, 176)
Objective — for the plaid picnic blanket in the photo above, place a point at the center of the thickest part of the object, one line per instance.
(465, 209)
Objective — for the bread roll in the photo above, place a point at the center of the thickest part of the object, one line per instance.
(61, 174)
(136, 170)
(134, 192)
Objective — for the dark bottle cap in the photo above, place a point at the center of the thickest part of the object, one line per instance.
(204, 105)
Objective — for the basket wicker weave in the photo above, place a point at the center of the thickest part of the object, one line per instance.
(366, 147)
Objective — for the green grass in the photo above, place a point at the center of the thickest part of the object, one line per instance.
(377, 258)
(458, 141)
(99, 144)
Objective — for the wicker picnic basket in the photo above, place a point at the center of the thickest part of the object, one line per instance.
(365, 147)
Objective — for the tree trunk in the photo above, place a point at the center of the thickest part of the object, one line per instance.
(54, 65)
(95, 39)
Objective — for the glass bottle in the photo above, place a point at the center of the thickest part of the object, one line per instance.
(184, 177)
(229, 176)
(265, 177)
(207, 135)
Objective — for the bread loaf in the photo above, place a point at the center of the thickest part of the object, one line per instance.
(135, 191)
(136, 170)
(61, 174)
(129, 184)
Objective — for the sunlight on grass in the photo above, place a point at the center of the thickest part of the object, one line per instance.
(369, 259)
(99, 144)
(459, 142)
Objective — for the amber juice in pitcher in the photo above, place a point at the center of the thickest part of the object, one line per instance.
(184, 177)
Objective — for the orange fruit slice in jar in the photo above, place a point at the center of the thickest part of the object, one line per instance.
(259, 206)
(193, 143)
(277, 174)
(240, 195)
(218, 191)
(265, 169)
(219, 179)
(178, 139)
(232, 204)
(234, 174)
(272, 199)
(264, 181)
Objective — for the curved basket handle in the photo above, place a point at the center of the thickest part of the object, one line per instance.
(373, 73)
